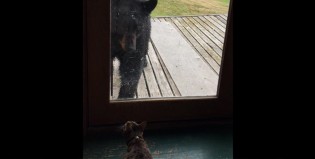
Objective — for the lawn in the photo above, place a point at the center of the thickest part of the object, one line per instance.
(190, 7)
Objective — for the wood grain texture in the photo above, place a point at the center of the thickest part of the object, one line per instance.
(191, 74)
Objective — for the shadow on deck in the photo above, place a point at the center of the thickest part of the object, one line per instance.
(184, 57)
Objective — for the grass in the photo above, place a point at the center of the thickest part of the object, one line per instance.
(190, 7)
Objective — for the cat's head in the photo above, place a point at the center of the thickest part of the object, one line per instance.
(132, 129)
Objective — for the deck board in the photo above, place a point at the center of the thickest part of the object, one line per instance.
(214, 42)
(202, 51)
(209, 30)
(208, 44)
(152, 85)
(206, 32)
(221, 19)
(166, 72)
(218, 21)
(209, 18)
(162, 81)
(224, 16)
(177, 54)
(220, 32)
(184, 57)
(162, 19)
(142, 90)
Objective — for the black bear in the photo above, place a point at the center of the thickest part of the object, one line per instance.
(130, 34)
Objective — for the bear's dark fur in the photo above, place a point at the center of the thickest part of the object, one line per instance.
(130, 34)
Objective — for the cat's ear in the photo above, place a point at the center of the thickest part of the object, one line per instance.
(143, 125)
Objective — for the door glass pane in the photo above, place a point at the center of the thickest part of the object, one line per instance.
(166, 48)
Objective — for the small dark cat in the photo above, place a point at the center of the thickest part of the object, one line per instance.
(137, 147)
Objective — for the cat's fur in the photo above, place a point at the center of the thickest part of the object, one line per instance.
(137, 147)
(130, 34)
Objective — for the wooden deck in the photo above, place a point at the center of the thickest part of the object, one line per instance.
(184, 57)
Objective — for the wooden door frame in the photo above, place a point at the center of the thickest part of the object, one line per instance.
(99, 111)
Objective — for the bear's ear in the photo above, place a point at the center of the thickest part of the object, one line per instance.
(148, 5)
